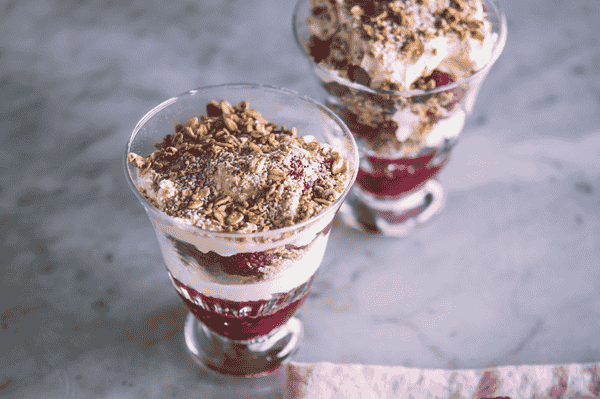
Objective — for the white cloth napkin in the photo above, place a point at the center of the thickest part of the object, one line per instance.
(333, 381)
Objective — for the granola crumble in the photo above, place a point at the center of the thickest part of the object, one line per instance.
(233, 171)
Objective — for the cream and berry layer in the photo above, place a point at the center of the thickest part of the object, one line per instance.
(289, 273)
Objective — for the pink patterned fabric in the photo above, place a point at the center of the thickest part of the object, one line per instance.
(333, 381)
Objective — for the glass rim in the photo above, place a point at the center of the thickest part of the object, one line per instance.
(234, 235)
(499, 46)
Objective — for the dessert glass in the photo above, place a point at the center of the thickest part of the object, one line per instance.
(242, 329)
(396, 188)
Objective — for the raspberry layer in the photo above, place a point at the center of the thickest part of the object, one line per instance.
(394, 178)
(241, 321)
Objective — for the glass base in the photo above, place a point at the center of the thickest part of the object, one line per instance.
(392, 218)
(253, 358)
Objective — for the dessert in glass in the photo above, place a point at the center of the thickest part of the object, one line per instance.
(241, 183)
(403, 75)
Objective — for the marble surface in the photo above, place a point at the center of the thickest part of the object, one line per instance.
(508, 274)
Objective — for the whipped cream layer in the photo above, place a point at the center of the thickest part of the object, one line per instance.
(446, 128)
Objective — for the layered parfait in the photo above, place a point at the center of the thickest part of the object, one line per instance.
(227, 180)
(385, 64)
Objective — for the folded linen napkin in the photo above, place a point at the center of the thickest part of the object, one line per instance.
(337, 381)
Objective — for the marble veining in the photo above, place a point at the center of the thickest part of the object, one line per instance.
(507, 274)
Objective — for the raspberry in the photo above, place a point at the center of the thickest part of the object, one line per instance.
(407, 174)
(359, 75)
(441, 78)
(246, 264)
(243, 264)
(369, 132)
(318, 11)
(319, 49)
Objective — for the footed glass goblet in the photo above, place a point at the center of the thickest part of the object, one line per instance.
(242, 323)
(404, 141)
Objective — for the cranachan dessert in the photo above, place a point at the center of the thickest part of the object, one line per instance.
(222, 180)
(389, 47)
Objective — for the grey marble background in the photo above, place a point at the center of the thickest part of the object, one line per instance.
(508, 274)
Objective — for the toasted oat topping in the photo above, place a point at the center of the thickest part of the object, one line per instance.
(234, 171)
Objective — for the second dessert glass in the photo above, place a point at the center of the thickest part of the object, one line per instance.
(395, 189)
(233, 328)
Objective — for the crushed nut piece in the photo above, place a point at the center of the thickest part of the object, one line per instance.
(231, 125)
(234, 218)
(196, 204)
(136, 160)
(276, 175)
(338, 166)
(226, 108)
(356, 10)
(222, 201)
